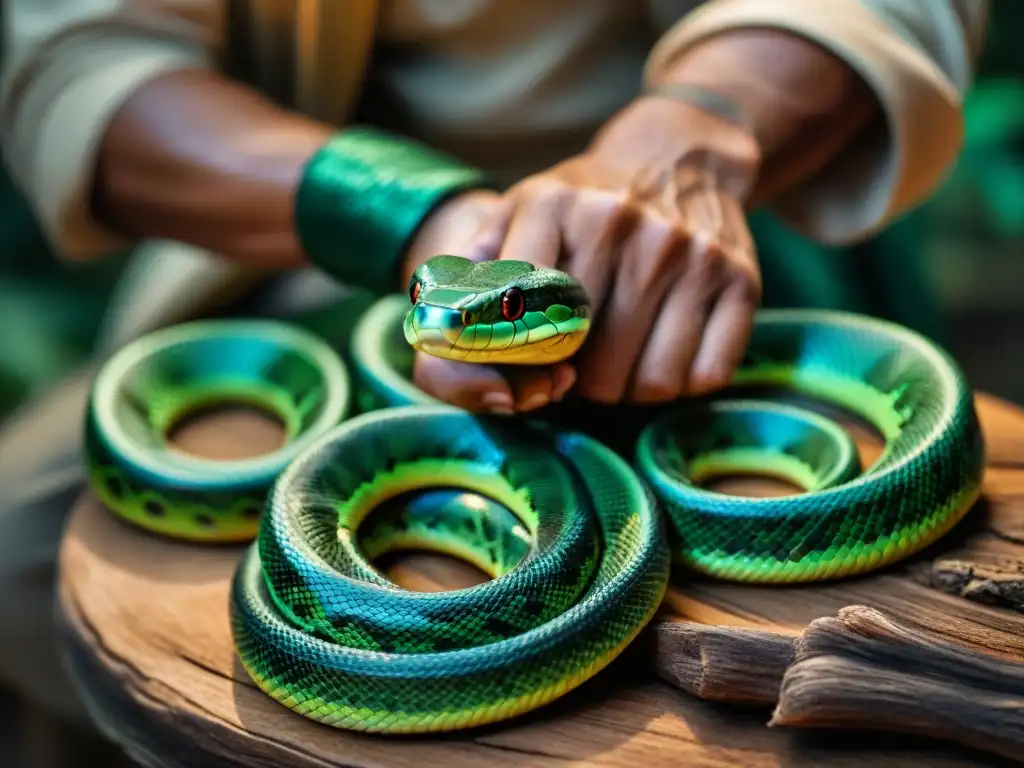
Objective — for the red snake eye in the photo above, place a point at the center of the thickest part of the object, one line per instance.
(512, 304)
(414, 291)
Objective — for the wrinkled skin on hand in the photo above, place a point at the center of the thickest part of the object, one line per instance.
(651, 222)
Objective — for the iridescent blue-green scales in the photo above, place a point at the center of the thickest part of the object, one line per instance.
(572, 533)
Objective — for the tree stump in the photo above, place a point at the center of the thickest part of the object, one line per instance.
(922, 648)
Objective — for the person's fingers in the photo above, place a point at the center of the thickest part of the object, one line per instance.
(725, 338)
(487, 388)
(662, 371)
(650, 260)
(731, 321)
(534, 387)
(596, 224)
(535, 233)
(489, 236)
(465, 385)
(564, 375)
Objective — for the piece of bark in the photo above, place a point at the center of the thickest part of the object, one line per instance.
(730, 664)
(1000, 584)
(863, 670)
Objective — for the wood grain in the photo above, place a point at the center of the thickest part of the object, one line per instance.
(863, 670)
(145, 624)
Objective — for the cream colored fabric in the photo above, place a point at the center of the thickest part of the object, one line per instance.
(58, 97)
(510, 86)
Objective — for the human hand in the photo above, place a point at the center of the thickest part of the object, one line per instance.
(650, 220)
(454, 229)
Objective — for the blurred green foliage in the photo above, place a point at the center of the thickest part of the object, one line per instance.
(50, 312)
(988, 184)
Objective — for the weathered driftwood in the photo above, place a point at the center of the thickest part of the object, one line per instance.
(862, 670)
(999, 583)
(741, 666)
(146, 627)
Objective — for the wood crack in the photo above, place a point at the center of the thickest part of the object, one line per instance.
(519, 750)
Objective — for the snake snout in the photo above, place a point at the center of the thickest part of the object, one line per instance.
(434, 325)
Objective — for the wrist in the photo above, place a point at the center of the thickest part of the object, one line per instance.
(802, 102)
(364, 198)
(656, 131)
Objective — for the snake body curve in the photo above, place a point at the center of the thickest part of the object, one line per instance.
(573, 535)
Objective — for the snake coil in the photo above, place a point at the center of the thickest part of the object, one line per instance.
(577, 539)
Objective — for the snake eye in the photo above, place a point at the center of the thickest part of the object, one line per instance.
(468, 318)
(414, 290)
(512, 304)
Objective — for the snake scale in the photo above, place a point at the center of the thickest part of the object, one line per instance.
(576, 536)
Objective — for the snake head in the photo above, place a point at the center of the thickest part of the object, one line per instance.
(503, 312)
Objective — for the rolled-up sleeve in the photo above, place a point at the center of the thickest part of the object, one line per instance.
(918, 56)
(70, 65)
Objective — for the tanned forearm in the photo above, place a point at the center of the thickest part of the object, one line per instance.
(195, 157)
(805, 104)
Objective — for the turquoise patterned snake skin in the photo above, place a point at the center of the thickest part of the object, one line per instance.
(575, 525)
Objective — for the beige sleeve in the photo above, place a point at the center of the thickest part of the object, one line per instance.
(68, 68)
(917, 55)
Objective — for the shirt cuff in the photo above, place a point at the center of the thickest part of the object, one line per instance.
(881, 175)
(55, 119)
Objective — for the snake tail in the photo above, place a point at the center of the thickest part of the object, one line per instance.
(153, 383)
(577, 538)
(574, 543)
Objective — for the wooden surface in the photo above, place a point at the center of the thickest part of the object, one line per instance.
(145, 624)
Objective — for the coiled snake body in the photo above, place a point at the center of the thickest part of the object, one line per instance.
(577, 537)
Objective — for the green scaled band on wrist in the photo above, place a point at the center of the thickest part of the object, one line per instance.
(363, 197)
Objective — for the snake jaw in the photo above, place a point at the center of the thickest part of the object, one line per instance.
(537, 338)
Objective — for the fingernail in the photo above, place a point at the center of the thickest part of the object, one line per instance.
(496, 402)
(535, 401)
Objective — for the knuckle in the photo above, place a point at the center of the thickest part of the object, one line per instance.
(612, 205)
(549, 191)
(746, 280)
(669, 246)
(706, 258)
(661, 233)
(677, 242)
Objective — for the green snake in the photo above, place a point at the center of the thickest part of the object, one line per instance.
(577, 533)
